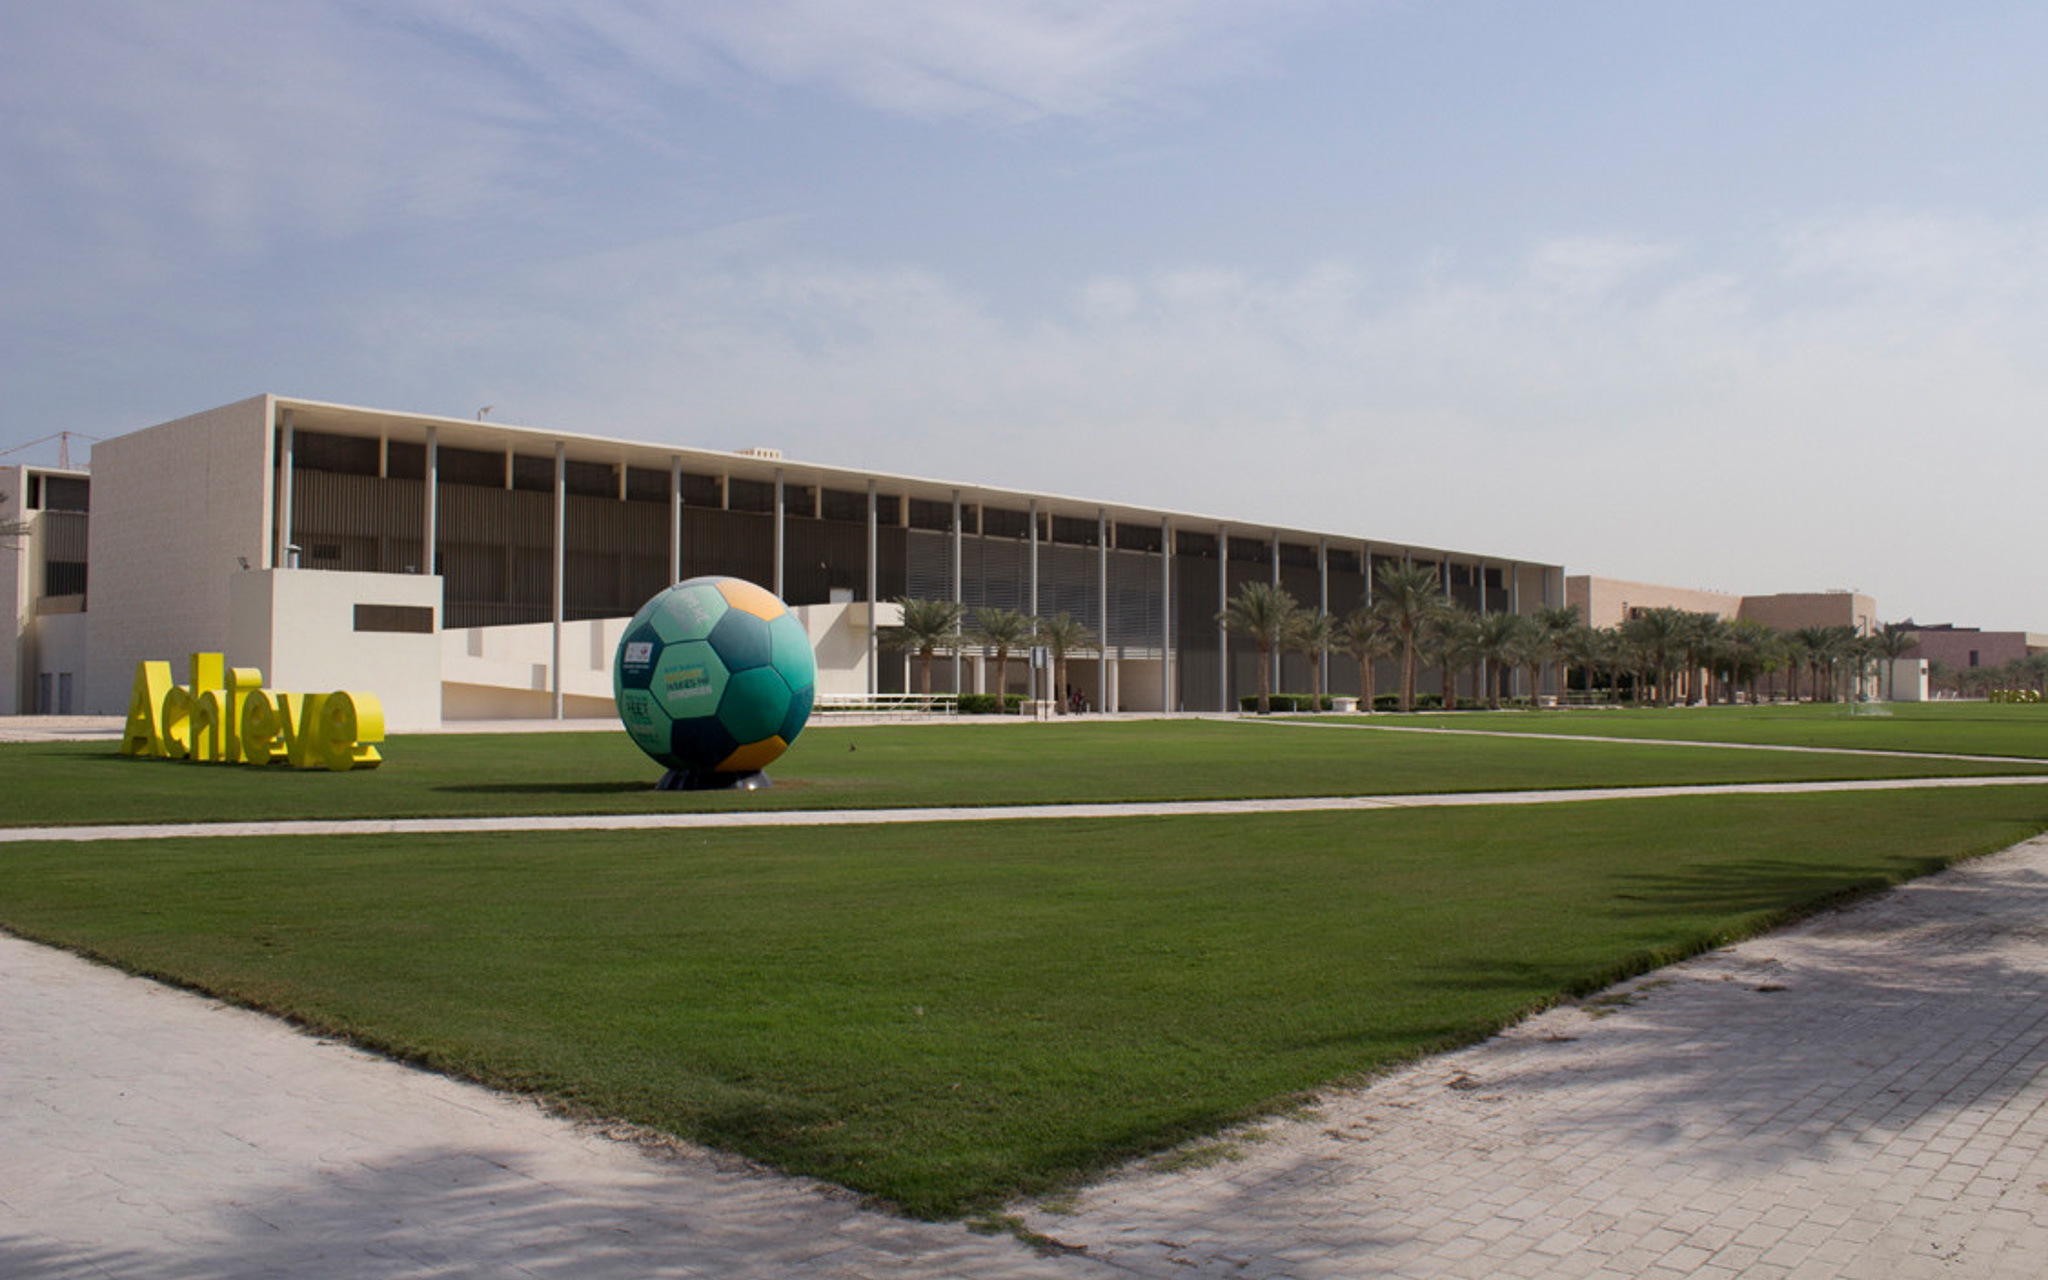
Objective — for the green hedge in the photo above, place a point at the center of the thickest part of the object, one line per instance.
(1281, 702)
(984, 704)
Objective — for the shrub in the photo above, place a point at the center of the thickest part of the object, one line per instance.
(1281, 702)
(984, 704)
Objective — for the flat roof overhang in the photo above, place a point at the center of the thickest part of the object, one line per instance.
(466, 433)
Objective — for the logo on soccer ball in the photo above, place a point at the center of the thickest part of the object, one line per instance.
(714, 677)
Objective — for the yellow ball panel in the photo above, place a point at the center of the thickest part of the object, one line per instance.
(758, 601)
(754, 756)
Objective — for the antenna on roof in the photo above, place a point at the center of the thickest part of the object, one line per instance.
(486, 409)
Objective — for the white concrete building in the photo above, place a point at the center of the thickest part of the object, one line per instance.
(293, 535)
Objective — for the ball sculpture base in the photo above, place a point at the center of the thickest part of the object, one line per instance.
(703, 780)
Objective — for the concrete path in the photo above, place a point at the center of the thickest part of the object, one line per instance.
(1616, 740)
(1862, 1096)
(980, 813)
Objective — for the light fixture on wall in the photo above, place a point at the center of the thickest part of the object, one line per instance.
(243, 561)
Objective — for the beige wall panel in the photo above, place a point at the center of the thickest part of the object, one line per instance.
(174, 506)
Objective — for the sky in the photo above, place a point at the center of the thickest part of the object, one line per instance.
(1750, 296)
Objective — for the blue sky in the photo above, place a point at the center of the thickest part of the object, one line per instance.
(1748, 296)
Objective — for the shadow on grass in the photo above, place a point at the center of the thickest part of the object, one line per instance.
(547, 788)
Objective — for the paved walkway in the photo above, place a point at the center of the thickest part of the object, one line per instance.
(978, 813)
(1862, 1096)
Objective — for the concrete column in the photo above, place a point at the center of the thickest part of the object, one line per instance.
(1322, 658)
(1515, 606)
(1278, 653)
(561, 542)
(779, 543)
(1166, 615)
(285, 447)
(959, 590)
(1031, 688)
(1222, 603)
(430, 535)
(874, 585)
(1102, 609)
(675, 518)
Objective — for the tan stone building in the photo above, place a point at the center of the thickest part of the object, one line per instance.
(1608, 602)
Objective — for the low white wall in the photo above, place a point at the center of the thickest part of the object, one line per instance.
(57, 641)
(505, 673)
(299, 627)
(1908, 680)
(839, 641)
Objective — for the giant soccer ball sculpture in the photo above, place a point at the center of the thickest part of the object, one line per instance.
(714, 679)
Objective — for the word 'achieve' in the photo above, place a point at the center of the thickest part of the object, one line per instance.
(226, 716)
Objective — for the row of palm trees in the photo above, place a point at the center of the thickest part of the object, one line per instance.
(1411, 618)
(932, 627)
(1661, 656)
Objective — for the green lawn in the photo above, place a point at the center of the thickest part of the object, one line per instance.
(914, 766)
(949, 1015)
(1970, 728)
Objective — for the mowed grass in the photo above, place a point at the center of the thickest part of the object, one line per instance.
(903, 766)
(1968, 728)
(949, 1015)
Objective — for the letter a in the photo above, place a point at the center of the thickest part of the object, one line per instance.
(143, 735)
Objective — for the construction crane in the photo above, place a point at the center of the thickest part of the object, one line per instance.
(63, 439)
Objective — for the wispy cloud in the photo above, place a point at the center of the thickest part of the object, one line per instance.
(1722, 435)
(146, 141)
(1008, 60)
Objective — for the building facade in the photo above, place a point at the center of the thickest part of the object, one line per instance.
(44, 521)
(464, 569)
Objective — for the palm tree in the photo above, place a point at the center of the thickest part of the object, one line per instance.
(1891, 642)
(1659, 633)
(1452, 633)
(1500, 639)
(1585, 647)
(1001, 630)
(1716, 657)
(1063, 634)
(1752, 650)
(1262, 613)
(1546, 644)
(928, 627)
(1812, 651)
(1311, 631)
(1365, 637)
(1404, 597)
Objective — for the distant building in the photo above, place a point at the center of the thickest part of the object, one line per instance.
(44, 515)
(1969, 648)
(1608, 602)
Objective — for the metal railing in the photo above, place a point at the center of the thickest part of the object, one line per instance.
(907, 704)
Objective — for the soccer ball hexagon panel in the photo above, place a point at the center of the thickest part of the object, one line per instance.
(714, 676)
